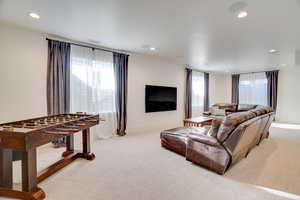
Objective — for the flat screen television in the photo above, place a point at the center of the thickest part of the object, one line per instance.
(159, 98)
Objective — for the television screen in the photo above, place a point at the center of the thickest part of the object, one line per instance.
(160, 98)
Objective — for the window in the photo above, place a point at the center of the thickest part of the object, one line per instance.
(92, 81)
(197, 93)
(93, 86)
(253, 88)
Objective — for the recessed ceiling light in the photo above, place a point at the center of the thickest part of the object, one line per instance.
(273, 51)
(34, 15)
(242, 14)
(152, 48)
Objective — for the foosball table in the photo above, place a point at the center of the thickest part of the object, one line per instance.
(26, 136)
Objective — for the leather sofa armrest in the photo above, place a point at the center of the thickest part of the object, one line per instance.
(205, 139)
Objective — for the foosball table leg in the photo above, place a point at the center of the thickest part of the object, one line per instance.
(29, 176)
(29, 170)
(86, 145)
(69, 145)
(6, 169)
(30, 191)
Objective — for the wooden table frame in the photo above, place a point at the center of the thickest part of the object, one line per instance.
(197, 121)
(30, 177)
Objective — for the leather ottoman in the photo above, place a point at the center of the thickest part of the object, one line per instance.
(176, 139)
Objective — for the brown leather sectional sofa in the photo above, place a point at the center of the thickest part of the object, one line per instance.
(224, 109)
(225, 142)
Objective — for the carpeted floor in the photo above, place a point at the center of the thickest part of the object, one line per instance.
(135, 167)
(273, 164)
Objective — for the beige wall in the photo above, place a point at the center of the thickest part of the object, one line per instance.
(23, 57)
(288, 102)
(220, 88)
(288, 107)
(144, 70)
(23, 60)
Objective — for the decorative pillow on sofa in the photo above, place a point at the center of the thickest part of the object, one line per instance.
(215, 125)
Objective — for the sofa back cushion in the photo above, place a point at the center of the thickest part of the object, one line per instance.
(220, 109)
(226, 106)
(216, 111)
(244, 137)
(222, 105)
(231, 122)
(246, 107)
(268, 109)
(258, 111)
(261, 110)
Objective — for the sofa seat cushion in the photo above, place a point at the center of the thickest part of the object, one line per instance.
(231, 122)
(185, 131)
(205, 139)
(208, 154)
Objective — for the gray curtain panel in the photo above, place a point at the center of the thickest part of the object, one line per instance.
(58, 77)
(58, 80)
(272, 91)
(121, 76)
(188, 95)
(235, 88)
(206, 91)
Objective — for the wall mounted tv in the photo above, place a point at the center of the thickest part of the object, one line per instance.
(159, 98)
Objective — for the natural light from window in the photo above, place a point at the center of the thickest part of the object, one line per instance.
(106, 78)
(197, 93)
(92, 81)
(253, 89)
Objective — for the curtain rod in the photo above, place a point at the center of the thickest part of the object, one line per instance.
(86, 46)
(257, 72)
(197, 70)
(233, 73)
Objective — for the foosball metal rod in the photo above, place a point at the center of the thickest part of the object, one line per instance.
(71, 130)
(72, 127)
(58, 133)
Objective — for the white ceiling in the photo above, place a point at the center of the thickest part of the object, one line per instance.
(201, 33)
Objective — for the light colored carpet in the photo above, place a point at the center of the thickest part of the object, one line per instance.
(136, 167)
(274, 163)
